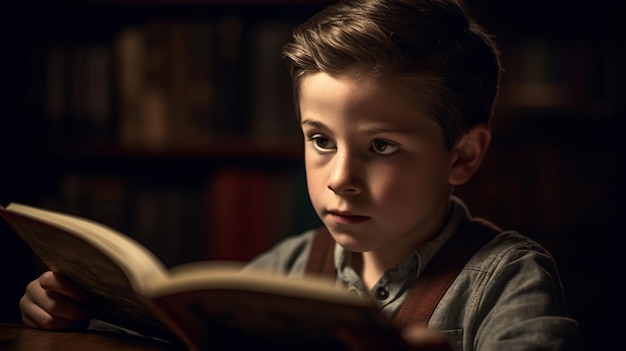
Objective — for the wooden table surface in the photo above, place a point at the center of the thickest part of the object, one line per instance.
(16, 337)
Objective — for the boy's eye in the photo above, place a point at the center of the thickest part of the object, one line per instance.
(322, 143)
(383, 147)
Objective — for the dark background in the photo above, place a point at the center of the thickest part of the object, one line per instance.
(554, 171)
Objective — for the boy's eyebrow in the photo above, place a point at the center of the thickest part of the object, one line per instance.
(367, 131)
(380, 130)
(313, 123)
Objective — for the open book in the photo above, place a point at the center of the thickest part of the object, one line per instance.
(202, 305)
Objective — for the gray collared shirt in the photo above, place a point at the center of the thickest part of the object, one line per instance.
(507, 297)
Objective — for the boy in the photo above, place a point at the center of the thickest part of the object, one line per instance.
(394, 99)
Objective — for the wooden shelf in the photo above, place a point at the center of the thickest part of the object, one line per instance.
(231, 151)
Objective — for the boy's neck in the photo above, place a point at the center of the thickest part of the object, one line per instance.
(370, 267)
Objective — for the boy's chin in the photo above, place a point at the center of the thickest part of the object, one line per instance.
(352, 243)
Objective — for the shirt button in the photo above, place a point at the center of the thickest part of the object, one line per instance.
(382, 293)
(353, 291)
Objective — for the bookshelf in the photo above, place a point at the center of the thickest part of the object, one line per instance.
(117, 94)
(163, 119)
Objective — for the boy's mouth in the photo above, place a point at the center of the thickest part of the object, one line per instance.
(343, 217)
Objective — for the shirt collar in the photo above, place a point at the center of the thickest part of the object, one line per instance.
(414, 263)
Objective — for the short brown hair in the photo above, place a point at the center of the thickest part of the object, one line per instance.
(440, 56)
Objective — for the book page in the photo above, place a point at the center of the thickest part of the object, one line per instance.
(131, 256)
(209, 306)
(76, 258)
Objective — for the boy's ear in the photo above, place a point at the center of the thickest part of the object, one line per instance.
(470, 151)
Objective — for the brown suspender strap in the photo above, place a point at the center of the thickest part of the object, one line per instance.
(441, 271)
(434, 280)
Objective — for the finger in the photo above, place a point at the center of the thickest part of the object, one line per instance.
(423, 338)
(55, 282)
(42, 304)
(34, 316)
(61, 306)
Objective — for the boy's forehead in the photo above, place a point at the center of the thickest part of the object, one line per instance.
(323, 88)
(415, 93)
(382, 102)
(367, 90)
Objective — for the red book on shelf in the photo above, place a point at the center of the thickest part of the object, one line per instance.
(240, 218)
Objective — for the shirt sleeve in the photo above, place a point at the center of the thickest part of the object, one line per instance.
(522, 305)
(287, 257)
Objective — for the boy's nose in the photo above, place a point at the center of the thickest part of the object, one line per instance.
(344, 178)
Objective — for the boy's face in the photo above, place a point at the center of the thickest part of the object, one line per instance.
(377, 169)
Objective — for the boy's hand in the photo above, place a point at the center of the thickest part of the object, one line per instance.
(54, 302)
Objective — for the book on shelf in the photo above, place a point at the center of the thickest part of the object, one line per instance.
(199, 305)
(165, 84)
(253, 209)
(272, 110)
